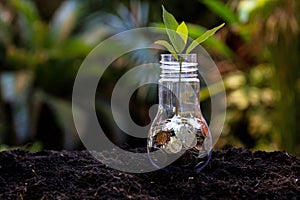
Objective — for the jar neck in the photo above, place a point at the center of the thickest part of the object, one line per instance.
(179, 85)
(185, 67)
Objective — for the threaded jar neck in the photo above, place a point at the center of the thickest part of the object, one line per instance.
(170, 66)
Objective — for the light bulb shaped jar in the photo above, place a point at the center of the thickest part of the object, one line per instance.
(179, 128)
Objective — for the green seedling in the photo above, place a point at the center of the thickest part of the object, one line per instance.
(178, 36)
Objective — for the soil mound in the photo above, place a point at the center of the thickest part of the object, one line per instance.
(231, 174)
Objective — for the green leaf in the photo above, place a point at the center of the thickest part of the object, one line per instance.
(176, 40)
(168, 47)
(171, 26)
(169, 20)
(203, 37)
(211, 43)
(182, 30)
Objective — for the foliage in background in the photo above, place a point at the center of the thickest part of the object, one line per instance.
(262, 90)
(257, 54)
(50, 52)
(37, 146)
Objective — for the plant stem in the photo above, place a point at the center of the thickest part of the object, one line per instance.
(179, 85)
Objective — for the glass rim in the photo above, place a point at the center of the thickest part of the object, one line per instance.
(192, 57)
(178, 54)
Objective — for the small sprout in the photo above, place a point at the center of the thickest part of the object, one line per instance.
(178, 35)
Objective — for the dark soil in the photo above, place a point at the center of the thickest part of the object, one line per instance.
(231, 174)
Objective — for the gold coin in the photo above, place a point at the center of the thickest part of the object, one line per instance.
(162, 137)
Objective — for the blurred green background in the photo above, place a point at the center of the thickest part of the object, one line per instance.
(43, 43)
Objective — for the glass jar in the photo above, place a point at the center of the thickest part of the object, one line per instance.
(179, 128)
